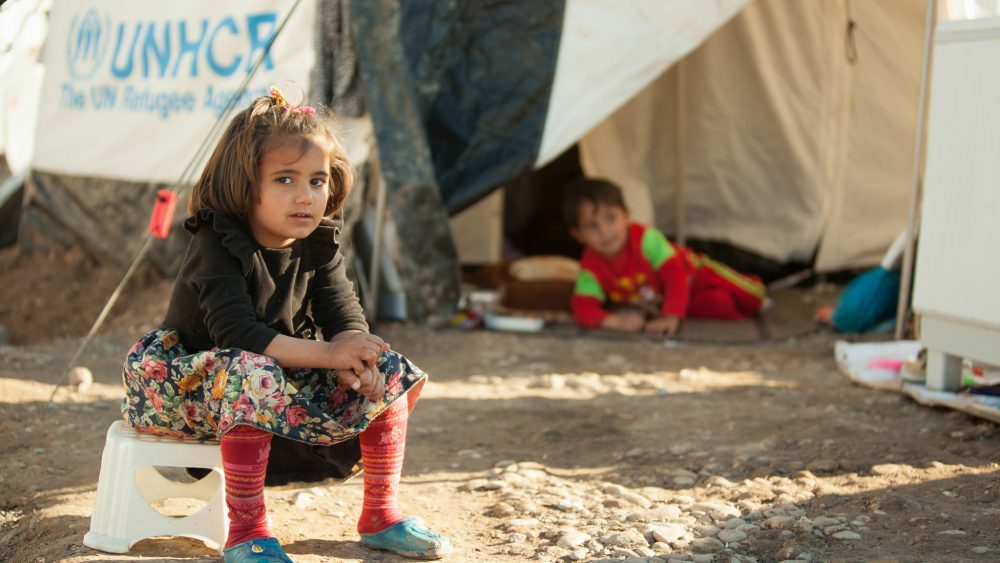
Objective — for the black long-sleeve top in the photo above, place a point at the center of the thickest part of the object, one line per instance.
(233, 293)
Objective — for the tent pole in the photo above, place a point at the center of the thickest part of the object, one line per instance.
(376, 248)
(906, 277)
(679, 219)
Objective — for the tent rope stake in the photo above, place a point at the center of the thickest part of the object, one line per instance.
(179, 187)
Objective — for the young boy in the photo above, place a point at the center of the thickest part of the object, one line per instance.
(632, 279)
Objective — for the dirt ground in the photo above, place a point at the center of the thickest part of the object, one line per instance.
(540, 447)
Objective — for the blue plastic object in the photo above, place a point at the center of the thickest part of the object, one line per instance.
(869, 302)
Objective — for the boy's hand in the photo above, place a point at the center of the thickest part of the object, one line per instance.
(623, 322)
(663, 325)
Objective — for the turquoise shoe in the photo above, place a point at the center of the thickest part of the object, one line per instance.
(409, 538)
(263, 550)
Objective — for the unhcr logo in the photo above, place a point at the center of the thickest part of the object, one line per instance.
(167, 48)
(87, 44)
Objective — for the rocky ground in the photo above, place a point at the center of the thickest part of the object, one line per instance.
(559, 448)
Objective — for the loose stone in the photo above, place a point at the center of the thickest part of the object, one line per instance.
(707, 531)
(495, 485)
(669, 533)
(526, 506)
(614, 502)
(621, 552)
(579, 554)
(847, 535)
(628, 538)
(503, 509)
(824, 521)
(661, 547)
(476, 484)
(730, 536)
(303, 500)
(515, 479)
(570, 504)
(573, 538)
(531, 473)
(706, 545)
(717, 510)
(733, 523)
(887, 469)
(830, 530)
(81, 378)
(663, 512)
(702, 558)
(552, 553)
(754, 515)
(521, 523)
(517, 538)
(645, 551)
(823, 466)
(717, 481)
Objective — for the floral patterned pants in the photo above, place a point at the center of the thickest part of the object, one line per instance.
(174, 393)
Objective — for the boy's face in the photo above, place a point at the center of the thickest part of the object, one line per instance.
(602, 228)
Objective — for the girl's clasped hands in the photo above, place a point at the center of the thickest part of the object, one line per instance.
(355, 357)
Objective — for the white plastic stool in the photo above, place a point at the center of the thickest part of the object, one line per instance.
(129, 482)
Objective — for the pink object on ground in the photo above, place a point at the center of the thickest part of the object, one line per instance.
(889, 364)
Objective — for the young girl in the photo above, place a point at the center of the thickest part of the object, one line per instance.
(239, 357)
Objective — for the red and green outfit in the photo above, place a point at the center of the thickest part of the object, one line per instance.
(666, 279)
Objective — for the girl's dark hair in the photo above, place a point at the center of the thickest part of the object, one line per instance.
(593, 190)
(228, 182)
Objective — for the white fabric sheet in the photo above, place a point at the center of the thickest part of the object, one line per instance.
(133, 86)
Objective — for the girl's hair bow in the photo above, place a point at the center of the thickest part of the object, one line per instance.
(281, 102)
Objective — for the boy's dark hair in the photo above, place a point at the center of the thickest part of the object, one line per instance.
(593, 190)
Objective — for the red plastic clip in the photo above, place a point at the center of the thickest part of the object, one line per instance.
(163, 213)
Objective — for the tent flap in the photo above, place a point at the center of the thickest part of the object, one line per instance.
(482, 73)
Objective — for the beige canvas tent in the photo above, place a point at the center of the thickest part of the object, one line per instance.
(788, 132)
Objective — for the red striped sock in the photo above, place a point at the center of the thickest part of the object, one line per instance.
(382, 445)
(244, 461)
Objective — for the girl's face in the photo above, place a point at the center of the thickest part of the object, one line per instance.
(603, 228)
(292, 190)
